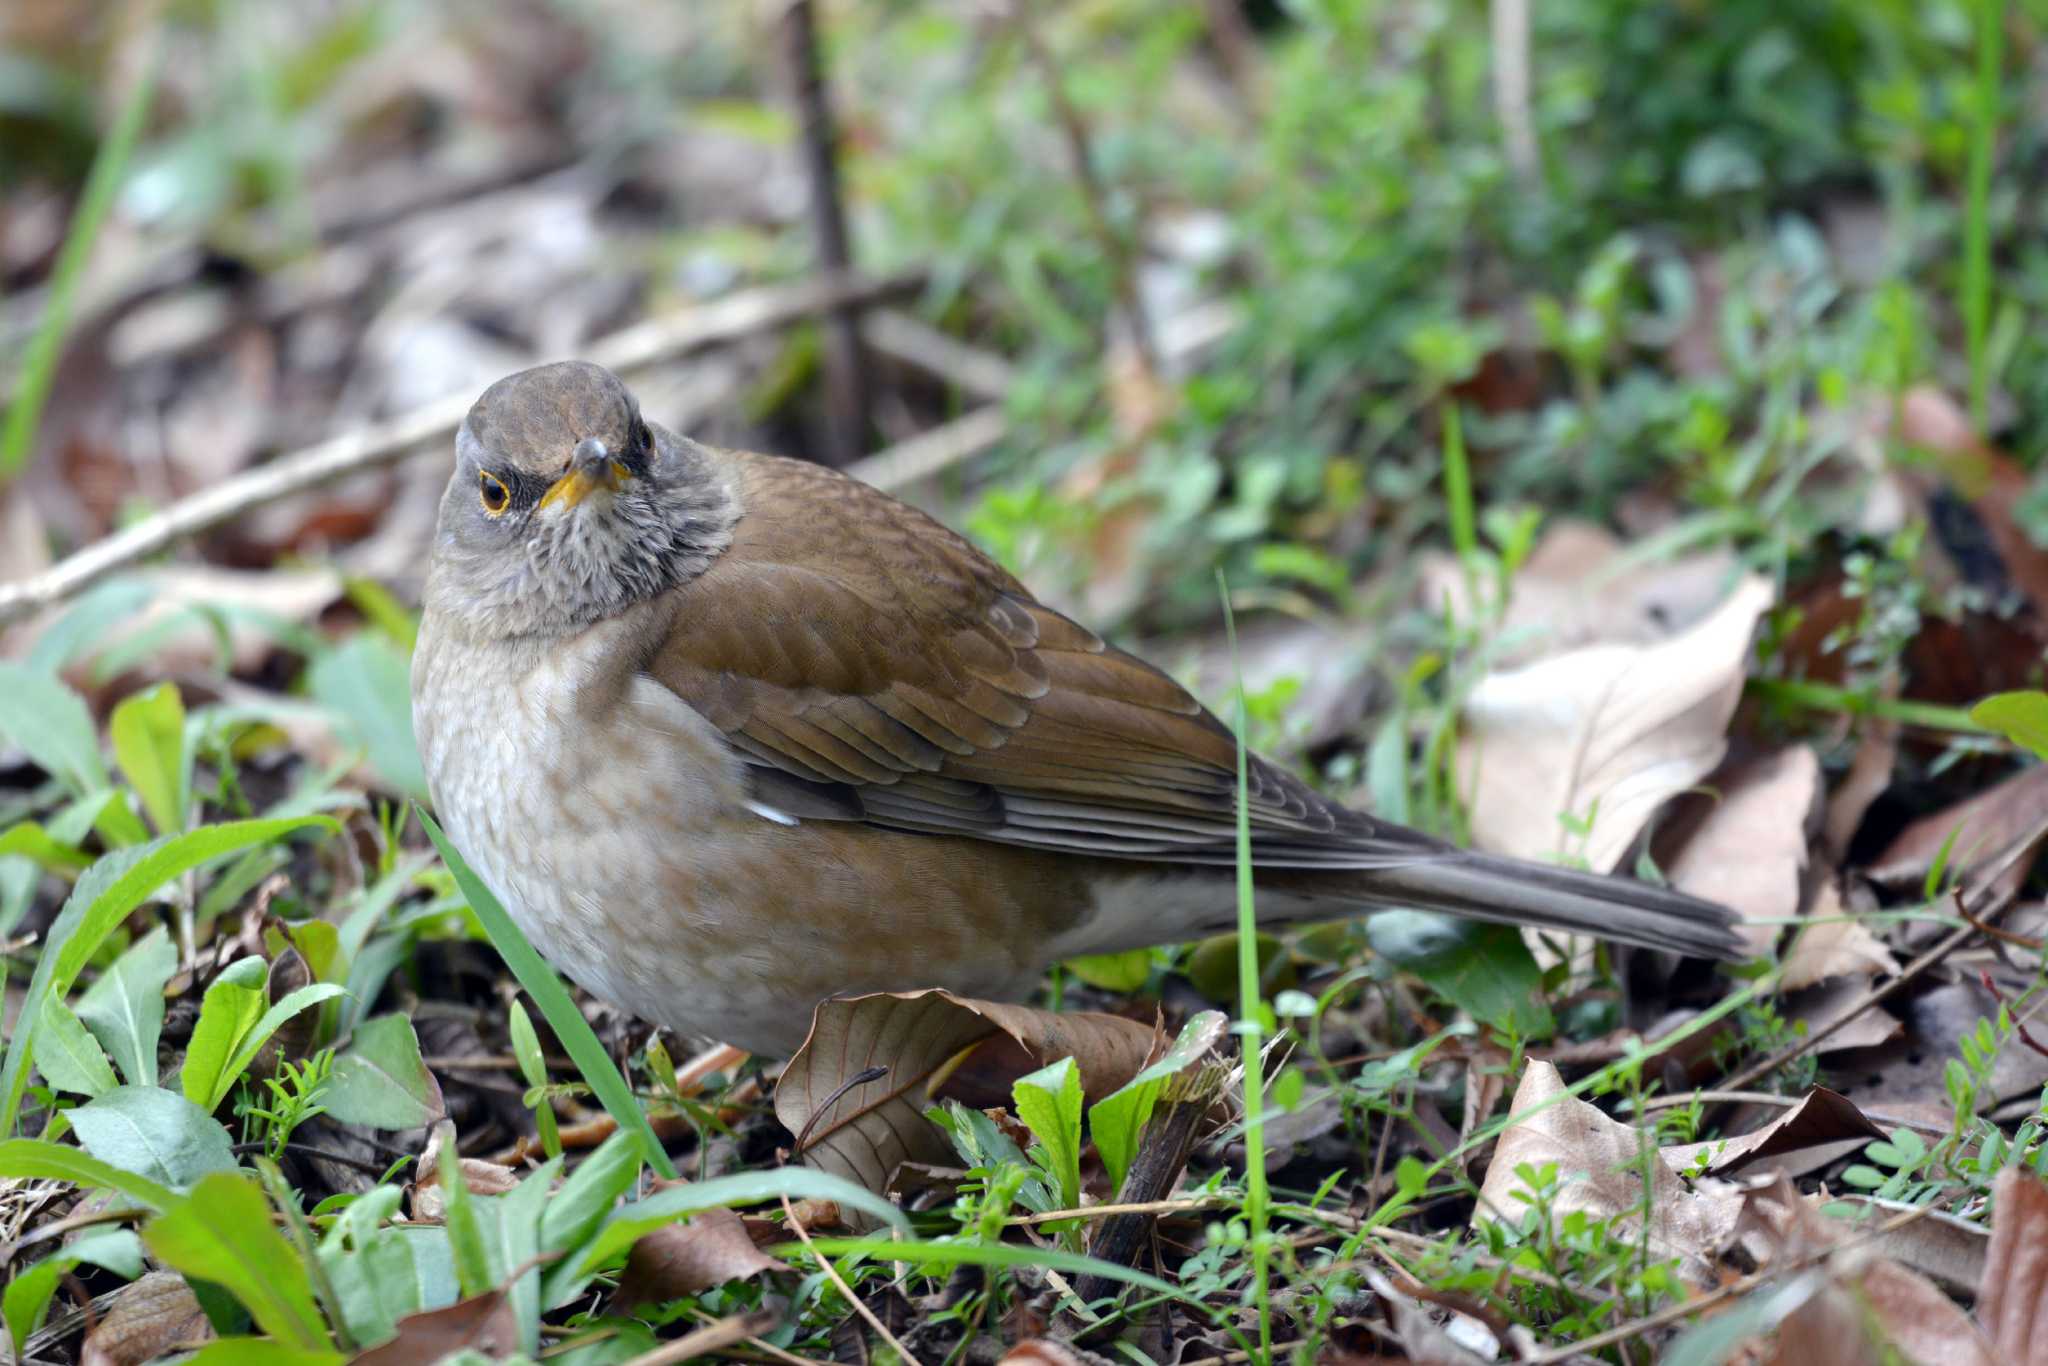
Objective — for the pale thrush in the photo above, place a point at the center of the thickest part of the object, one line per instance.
(730, 734)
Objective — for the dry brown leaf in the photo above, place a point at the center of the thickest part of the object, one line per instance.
(1946, 1249)
(1045, 1352)
(1911, 1312)
(1579, 587)
(2012, 1298)
(150, 1317)
(1834, 946)
(1869, 775)
(483, 1178)
(917, 1035)
(1997, 833)
(1601, 1162)
(1821, 1116)
(1607, 733)
(1747, 850)
(1818, 1007)
(485, 1323)
(683, 1259)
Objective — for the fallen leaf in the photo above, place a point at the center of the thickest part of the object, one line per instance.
(922, 1036)
(1820, 1006)
(1946, 1249)
(1743, 842)
(1422, 1337)
(485, 1323)
(683, 1259)
(150, 1317)
(429, 1202)
(1997, 834)
(1580, 586)
(2012, 1298)
(1909, 1310)
(1043, 1352)
(1604, 735)
(1821, 1116)
(1834, 945)
(1601, 1163)
(1869, 776)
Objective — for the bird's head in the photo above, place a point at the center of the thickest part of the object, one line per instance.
(567, 507)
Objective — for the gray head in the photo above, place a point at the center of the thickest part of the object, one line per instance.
(566, 507)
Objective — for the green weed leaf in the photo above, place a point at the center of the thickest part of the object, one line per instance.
(125, 1008)
(68, 1056)
(28, 1294)
(40, 1159)
(2021, 717)
(1049, 1103)
(380, 1079)
(154, 1133)
(50, 723)
(148, 733)
(104, 896)
(222, 1232)
(1116, 1121)
(1484, 970)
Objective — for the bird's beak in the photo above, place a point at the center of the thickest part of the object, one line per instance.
(591, 467)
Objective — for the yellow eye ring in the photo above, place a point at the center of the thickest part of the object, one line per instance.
(493, 493)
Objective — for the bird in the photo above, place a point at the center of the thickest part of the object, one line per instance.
(732, 734)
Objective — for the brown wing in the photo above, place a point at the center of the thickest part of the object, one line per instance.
(874, 666)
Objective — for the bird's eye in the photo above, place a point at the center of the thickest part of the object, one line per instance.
(496, 497)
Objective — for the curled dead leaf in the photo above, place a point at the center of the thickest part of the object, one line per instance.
(1996, 835)
(975, 1048)
(1834, 946)
(1601, 1163)
(2012, 1298)
(1580, 587)
(429, 1203)
(713, 1248)
(1604, 735)
(1746, 847)
(486, 1324)
(1861, 1292)
(150, 1317)
(1821, 1116)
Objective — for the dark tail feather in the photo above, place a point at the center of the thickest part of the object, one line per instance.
(1512, 892)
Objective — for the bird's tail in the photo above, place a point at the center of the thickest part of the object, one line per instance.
(1513, 892)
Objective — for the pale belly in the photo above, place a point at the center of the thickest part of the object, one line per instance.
(620, 839)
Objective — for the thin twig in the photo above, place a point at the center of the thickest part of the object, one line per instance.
(935, 451)
(1511, 87)
(839, 1093)
(860, 1307)
(325, 1155)
(1094, 195)
(916, 342)
(846, 387)
(710, 1338)
(381, 443)
(1947, 945)
(1181, 1206)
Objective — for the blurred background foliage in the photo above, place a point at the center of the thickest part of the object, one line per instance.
(1671, 251)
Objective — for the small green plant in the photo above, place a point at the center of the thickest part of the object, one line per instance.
(293, 1097)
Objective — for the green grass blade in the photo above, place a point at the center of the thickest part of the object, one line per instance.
(555, 1003)
(1976, 282)
(39, 359)
(1251, 1003)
